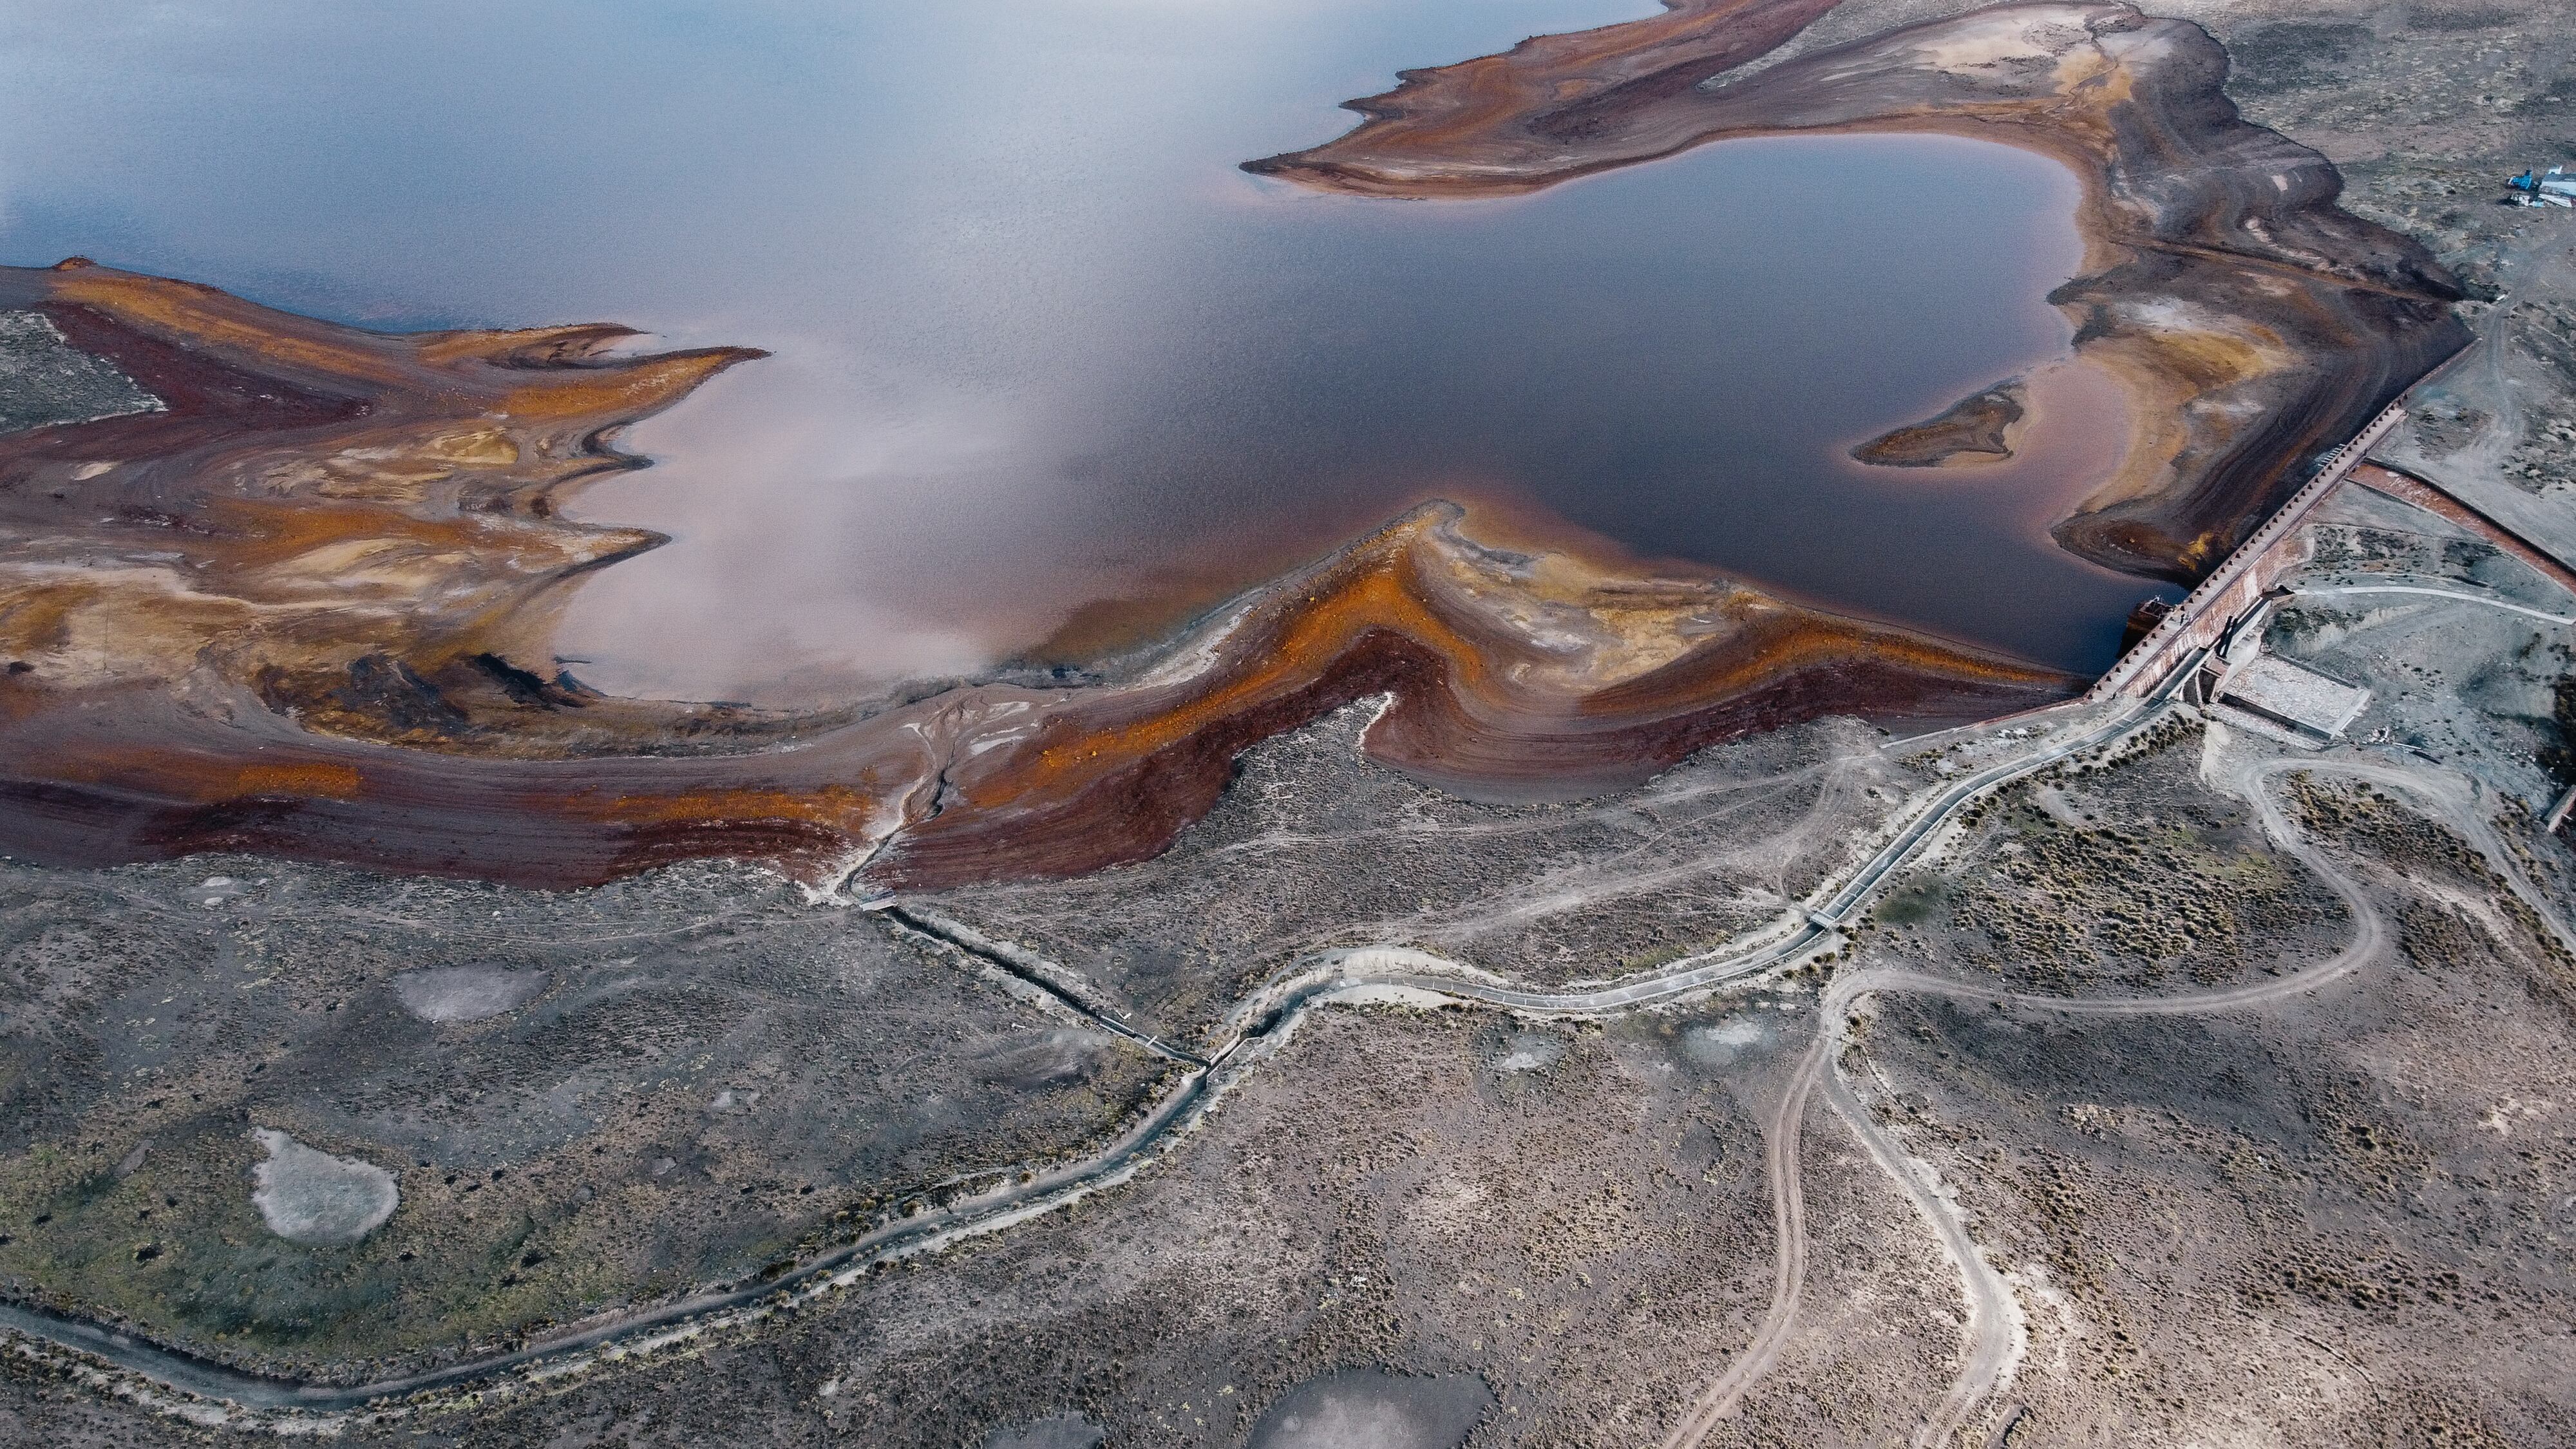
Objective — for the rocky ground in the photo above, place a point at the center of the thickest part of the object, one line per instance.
(584, 1100)
(2338, 1217)
(1315, 848)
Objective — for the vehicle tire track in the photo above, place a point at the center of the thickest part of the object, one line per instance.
(117, 1359)
(1781, 1133)
(1995, 1325)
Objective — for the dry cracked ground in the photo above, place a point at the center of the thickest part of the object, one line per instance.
(2319, 1188)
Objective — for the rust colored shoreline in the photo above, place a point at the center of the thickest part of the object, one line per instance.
(305, 610)
(2252, 321)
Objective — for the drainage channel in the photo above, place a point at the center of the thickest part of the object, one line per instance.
(950, 934)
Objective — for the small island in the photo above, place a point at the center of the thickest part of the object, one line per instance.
(1975, 432)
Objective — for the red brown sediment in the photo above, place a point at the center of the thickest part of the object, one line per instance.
(2405, 487)
(2253, 322)
(1504, 674)
(304, 611)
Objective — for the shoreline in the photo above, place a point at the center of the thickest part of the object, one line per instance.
(2221, 283)
(338, 644)
(326, 634)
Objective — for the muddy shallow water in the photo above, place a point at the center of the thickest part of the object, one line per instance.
(1049, 370)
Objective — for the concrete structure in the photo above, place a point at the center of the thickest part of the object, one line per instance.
(2559, 812)
(2302, 699)
(2237, 587)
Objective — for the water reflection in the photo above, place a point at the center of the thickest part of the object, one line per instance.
(1043, 356)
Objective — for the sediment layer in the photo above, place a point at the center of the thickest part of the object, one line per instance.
(304, 609)
(1979, 429)
(2253, 322)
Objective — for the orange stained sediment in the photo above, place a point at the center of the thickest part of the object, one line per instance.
(620, 389)
(201, 317)
(843, 808)
(302, 779)
(1792, 644)
(1322, 628)
(407, 531)
(269, 534)
(1491, 91)
(485, 344)
(200, 776)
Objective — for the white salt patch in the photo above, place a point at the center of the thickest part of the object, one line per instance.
(1530, 1051)
(1055, 1431)
(310, 1197)
(1720, 1043)
(1373, 1409)
(466, 993)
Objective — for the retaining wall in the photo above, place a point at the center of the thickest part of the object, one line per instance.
(2240, 581)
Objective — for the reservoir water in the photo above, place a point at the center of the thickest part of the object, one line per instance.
(1049, 370)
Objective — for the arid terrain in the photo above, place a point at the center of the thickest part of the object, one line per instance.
(1453, 996)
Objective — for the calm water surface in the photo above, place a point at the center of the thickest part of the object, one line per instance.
(1048, 367)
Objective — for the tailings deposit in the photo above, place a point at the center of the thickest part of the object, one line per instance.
(1049, 373)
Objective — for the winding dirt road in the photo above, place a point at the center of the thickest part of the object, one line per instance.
(118, 1359)
(2465, 595)
(1994, 1318)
